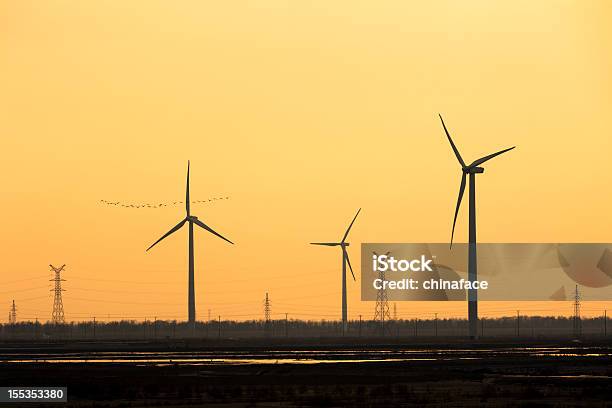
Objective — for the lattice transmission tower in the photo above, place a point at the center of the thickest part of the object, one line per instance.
(13, 314)
(381, 311)
(57, 316)
(267, 309)
(267, 313)
(577, 326)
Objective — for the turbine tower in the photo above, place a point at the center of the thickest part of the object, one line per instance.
(345, 260)
(191, 220)
(57, 317)
(471, 170)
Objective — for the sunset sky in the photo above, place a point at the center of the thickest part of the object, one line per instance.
(300, 112)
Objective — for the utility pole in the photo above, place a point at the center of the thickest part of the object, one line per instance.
(57, 317)
(436, 324)
(359, 325)
(287, 325)
(208, 324)
(577, 329)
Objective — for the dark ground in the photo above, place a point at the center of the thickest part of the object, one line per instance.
(454, 373)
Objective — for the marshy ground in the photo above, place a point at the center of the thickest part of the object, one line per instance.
(313, 373)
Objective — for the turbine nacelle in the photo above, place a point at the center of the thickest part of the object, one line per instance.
(473, 170)
(342, 244)
(189, 218)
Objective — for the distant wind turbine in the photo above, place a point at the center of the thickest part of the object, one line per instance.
(345, 260)
(472, 170)
(191, 219)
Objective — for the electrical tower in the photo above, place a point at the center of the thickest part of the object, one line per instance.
(267, 310)
(13, 314)
(577, 322)
(58, 307)
(394, 311)
(381, 312)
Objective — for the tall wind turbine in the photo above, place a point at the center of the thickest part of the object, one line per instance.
(191, 219)
(471, 170)
(345, 260)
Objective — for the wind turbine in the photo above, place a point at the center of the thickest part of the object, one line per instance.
(191, 219)
(471, 170)
(345, 260)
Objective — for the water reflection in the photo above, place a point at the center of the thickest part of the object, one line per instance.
(299, 356)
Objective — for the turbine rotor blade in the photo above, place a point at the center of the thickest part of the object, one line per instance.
(173, 230)
(207, 228)
(325, 243)
(452, 143)
(461, 191)
(349, 228)
(187, 202)
(489, 157)
(348, 261)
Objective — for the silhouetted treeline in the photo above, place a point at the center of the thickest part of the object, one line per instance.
(524, 327)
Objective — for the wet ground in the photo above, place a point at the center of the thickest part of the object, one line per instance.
(310, 374)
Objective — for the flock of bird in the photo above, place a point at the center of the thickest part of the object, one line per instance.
(158, 205)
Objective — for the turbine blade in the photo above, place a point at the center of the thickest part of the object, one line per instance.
(174, 229)
(461, 190)
(489, 157)
(349, 228)
(207, 228)
(452, 143)
(187, 206)
(325, 243)
(348, 261)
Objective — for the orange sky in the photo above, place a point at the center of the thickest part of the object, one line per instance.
(300, 112)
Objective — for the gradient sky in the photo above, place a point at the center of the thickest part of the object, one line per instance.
(301, 112)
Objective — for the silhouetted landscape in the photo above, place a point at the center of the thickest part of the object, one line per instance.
(300, 363)
(555, 327)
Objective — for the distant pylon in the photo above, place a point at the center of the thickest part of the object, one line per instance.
(577, 322)
(13, 314)
(267, 311)
(381, 312)
(394, 311)
(58, 307)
